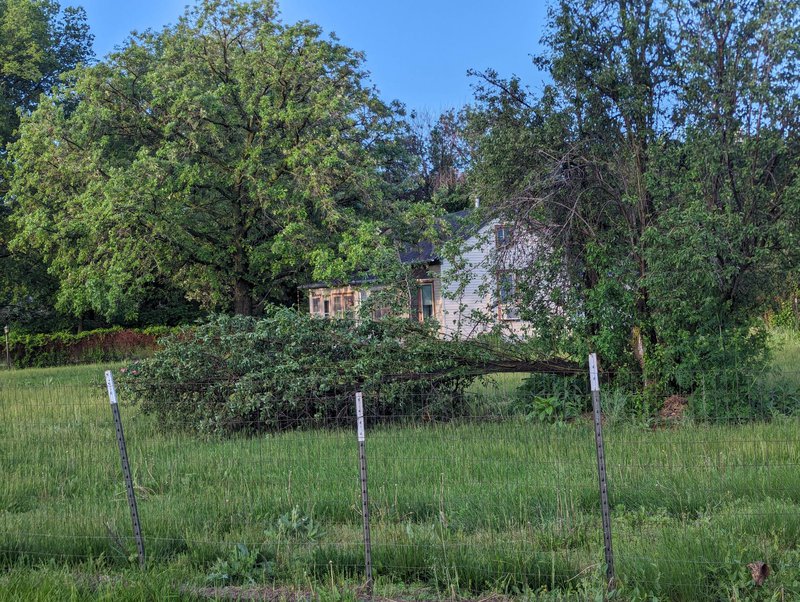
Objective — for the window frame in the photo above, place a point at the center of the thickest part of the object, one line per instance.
(420, 311)
(506, 229)
(336, 299)
(317, 311)
(379, 313)
(348, 309)
(512, 315)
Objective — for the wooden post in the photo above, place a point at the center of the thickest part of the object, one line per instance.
(8, 353)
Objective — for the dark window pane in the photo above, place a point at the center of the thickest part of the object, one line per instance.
(427, 294)
(501, 235)
(506, 285)
(426, 298)
(506, 288)
(348, 301)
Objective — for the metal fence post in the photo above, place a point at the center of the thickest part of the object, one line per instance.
(126, 470)
(594, 381)
(362, 457)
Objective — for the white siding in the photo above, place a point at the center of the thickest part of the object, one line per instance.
(470, 303)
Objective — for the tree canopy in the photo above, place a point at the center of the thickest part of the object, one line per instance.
(663, 162)
(223, 154)
(221, 161)
(38, 43)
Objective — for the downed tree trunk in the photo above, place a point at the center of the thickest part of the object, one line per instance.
(556, 365)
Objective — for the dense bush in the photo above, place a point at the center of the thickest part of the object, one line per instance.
(552, 397)
(288, 370)
(787, 314)
(64, 348)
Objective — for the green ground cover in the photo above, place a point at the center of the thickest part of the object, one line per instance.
(458, 509)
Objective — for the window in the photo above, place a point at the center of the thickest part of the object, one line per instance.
(316, 306)
(348, 304)
(425, 302)
(368, 299)
(337, 306)
(502, 235)
(507, 293)
(381, 312)
(327, 306)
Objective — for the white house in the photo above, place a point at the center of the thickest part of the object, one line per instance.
(467, 293)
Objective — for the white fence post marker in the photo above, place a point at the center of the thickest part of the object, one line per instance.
(362, 457)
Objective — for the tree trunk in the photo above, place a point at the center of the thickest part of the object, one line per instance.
(242, 299)
(637, 344)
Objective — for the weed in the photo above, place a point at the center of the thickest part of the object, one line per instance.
(241, 565)
(297, 526)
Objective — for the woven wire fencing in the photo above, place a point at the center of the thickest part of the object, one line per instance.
(487, 488)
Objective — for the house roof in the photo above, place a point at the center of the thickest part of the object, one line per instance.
(338, 283)
(454, 225)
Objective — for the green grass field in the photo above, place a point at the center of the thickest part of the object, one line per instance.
(459, 510)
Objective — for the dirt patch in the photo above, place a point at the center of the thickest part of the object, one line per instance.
(673, 408)
(250, 593)
(760, 571)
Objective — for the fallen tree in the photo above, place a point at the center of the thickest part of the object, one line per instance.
(288, 370)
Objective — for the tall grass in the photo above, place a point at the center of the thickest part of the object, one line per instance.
(785, 348)
(458, 508)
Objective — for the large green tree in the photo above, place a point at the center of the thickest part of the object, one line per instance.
(38, 43)
(226, 153)
(726, 188)
(443, 157)
(661, 167)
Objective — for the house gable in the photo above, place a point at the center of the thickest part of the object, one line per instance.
(479, 284)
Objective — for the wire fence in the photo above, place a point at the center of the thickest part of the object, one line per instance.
(486, 488)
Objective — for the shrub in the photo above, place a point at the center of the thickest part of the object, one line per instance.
(551, 397)
(788, 313)
(288, 370)
(65, 348)
(730, 395)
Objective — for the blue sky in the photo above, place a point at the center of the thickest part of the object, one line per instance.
(417, 51)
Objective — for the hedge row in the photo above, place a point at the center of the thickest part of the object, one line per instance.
(65, 348)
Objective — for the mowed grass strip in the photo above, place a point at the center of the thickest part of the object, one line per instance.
(475, 505)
